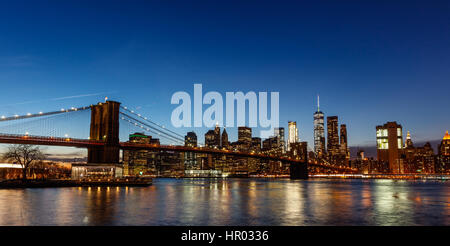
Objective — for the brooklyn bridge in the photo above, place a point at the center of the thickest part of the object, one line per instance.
(104, 145)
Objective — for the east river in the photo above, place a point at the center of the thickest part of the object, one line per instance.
(234, 202)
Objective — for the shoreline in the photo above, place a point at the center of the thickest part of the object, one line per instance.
(56, 183)
(145, 182)
(444, 177)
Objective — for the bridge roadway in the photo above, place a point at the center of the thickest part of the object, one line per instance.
(86, 143)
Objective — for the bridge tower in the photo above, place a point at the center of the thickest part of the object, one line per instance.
(298, 170)
(105, 127)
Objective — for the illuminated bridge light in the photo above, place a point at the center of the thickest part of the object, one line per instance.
(3, 117)
(40, 112)
(28, 114)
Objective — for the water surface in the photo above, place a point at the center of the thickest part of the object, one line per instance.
(234, 202)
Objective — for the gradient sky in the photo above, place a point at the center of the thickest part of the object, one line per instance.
(370, 61)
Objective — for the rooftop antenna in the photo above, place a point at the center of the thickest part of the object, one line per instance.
(318, 103)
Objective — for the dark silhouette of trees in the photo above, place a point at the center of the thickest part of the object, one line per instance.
(24, 154)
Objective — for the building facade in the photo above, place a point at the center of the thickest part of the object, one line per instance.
(245, 135)
(279, 133)
(292, 133)
(332, 136)
(390, 145)
(211, 139)
(344, 143)
(190, 158)
(319, 133)
(443, 158)
(224, 141)
(140, 162)
(190, 140)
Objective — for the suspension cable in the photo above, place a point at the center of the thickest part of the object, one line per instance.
(150, 121)
(148, 127)
(29, 115)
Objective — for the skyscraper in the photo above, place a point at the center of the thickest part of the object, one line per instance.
(217, 133)
(190, 158)
(443, 163)
(245, 135)
(425, 161)
(140, 161)
(444, 147)
(256, 144)
(319, 131)
(343, 142)
(293, 133)
(332, 135)
(408, 142)
(390, 145)
(225, 143)
(212, 138)
(279, 133)
(190, 140)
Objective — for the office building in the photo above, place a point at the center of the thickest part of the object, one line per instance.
(292, 133)
(190, 140)
(245, 135)
(319, 132)
(190, 158)
(390, 145)
(140, 162)
(211, 140)
(333, 146)
(225, 143)
(279, 133)
(343, 142)
(256, 144)
(443, 158)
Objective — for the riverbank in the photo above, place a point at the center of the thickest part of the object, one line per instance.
(442, 177)
(54, 183)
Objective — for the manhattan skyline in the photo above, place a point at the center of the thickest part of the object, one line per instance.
(367, 72)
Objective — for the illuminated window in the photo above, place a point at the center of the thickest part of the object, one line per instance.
(379, 133)
(399, 132)
(399, 140)
(382, 144)
(385, 133)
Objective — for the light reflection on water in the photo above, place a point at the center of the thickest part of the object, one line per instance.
(234, 202)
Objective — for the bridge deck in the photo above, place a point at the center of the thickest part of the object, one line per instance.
(86, 143)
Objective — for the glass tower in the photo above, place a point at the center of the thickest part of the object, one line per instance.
(292, 133)
(319, 131)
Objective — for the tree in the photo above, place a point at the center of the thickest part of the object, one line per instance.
(24, 154)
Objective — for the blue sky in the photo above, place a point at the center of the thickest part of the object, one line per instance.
(370, 61)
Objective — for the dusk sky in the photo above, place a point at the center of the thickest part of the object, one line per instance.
(370, 61)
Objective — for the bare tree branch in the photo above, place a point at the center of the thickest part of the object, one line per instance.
(25, 155)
